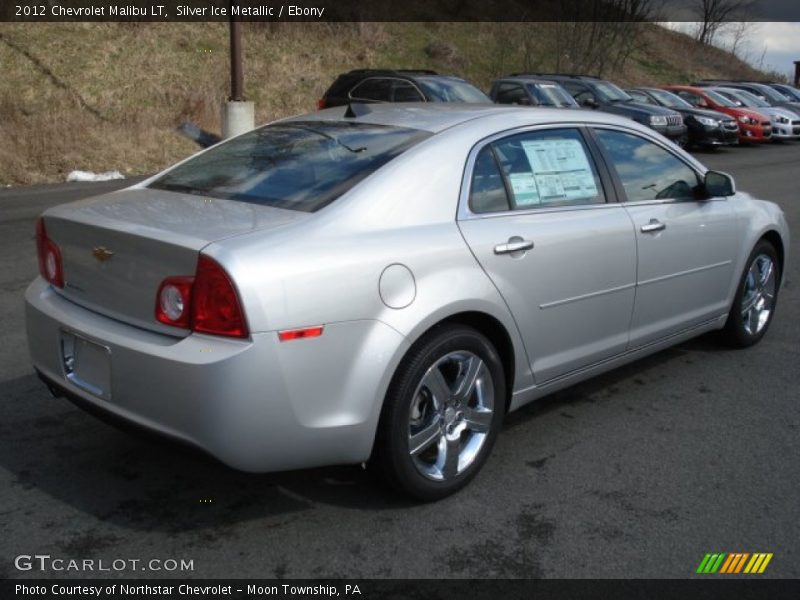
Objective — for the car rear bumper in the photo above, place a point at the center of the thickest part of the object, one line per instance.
(256, 405)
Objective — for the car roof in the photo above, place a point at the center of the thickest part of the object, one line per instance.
(527, 79)
(438, 116)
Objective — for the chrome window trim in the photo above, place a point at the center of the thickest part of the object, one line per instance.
(464, 212)
(363, 81)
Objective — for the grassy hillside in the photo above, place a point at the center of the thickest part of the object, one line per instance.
(108, 96)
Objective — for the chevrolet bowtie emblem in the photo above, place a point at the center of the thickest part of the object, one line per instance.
(102, 253)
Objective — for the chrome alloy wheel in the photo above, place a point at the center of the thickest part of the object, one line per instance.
(758, 298)
(450, 415)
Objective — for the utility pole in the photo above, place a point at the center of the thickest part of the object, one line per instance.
(796, 73)
(238, 115)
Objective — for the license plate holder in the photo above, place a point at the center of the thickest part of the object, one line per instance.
(86, 364)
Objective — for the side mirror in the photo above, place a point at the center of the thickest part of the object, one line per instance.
(719, 184)
(524, 101)
(589, 102)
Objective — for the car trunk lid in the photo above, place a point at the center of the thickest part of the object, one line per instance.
(118, 248)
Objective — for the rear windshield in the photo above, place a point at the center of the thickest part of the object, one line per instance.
(297, 165)
(443, 89)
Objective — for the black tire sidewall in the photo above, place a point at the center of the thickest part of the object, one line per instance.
(392, 442)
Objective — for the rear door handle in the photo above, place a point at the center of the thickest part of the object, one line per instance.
(514, 244)
(653, 226)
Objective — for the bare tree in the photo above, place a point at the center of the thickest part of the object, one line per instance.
(740, 33)
(714, 14)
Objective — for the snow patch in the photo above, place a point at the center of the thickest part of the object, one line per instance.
(89, 176)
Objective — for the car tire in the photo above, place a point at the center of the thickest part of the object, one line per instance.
(756, 296)
(442, 413)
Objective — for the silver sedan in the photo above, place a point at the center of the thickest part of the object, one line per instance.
(381, 284)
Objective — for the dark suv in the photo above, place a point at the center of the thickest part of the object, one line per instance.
(531, 91)
(383, 85)
(596, 93)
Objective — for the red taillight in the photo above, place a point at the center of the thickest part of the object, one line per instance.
(50, 265)
(299, 334)
(205, 303)
(215, 303)
(321, 104)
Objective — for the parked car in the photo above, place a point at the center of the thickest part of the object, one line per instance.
(384, 85)
(785, 124)
(753, 126)
(789, 91)
(762, 91)
(531, 91)
(595, 93)
(706, 128)
(384, 282)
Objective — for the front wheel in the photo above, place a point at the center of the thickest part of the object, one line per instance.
(754, 304)
(442, 413)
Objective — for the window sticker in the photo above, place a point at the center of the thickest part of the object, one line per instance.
(526, 192)
(561, 169)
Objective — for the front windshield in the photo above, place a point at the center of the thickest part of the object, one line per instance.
(297, 165)
(670, 100)
(720, 99)
(792, 93)
(452, 90)
(611, 92)
(549, 94)
(748, 99)
(771, 93)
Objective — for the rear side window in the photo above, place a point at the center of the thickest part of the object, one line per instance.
(511, 93)
(405, 92)
(648, 171)
(537, 170)
(296, 165)
(375, 89)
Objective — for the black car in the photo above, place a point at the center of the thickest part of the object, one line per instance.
(762, 91)
(384, 85)
(706, 127)
(599, 94)
(531, 91)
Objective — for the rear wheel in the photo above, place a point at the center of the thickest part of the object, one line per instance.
(442, 413)
(754, 304)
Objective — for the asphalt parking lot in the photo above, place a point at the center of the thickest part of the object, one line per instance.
(638, 473)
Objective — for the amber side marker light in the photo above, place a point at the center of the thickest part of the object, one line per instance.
(299, 334)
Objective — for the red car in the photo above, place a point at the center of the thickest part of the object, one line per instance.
(753, 126)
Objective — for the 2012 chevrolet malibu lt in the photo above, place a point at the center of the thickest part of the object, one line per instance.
(382, 283)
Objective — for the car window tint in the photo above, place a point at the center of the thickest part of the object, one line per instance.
(405, 92)
(511, 93)
(640, 97)
(375, 89)
(548, 168)
(574, 88)
(487, 193)
(648, 171)
(297, 165)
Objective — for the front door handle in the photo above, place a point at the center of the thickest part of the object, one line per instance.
(653, 226)
(514, 244)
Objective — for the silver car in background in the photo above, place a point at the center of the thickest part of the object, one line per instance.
(383, 283)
